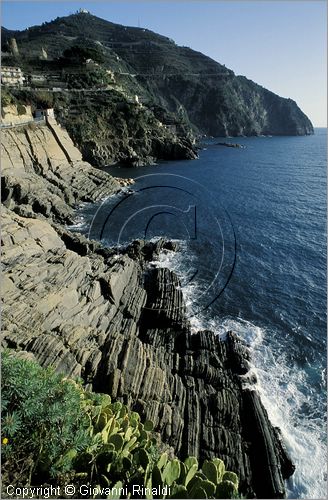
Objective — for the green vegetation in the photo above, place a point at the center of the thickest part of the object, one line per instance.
(54, 430)
(42, 419)
(79, 54)
(34, 98)
(21, 110)
(43, 99)
(7, 98)
(88, 79)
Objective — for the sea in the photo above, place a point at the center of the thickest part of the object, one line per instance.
(250, 223)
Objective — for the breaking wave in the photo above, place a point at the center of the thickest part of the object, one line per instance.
(288, 393)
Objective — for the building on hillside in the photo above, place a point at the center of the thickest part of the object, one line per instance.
(37, 80)
(91, 63)
(12, 76)
(110, 75)
(44, 113)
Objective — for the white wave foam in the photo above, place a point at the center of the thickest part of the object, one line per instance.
(79, 223)
(285, 389)
(184, 264)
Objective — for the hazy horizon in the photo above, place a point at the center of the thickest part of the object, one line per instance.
(280, 45)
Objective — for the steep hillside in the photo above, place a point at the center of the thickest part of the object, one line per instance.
(193, 86)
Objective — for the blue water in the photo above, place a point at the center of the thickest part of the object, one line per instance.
(254, 239)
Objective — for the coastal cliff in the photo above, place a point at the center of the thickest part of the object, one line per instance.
(117, 321)
(198, 91)
(107, 127)
(236, 107)
(43, 173)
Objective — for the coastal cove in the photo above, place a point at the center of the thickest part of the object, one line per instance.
(274, 191)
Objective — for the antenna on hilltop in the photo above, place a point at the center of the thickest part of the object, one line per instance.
(138, 22)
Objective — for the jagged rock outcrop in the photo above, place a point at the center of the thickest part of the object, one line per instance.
(119, 324)
(112, 318)
(43, 173)
(108, 128)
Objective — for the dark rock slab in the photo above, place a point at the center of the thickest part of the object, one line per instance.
(231, 145)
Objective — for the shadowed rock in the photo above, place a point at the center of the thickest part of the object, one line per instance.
(120, 323)
(114, 319)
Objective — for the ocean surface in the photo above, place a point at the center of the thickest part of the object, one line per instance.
(251, 223)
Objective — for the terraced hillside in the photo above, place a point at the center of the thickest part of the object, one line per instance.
(193, 86)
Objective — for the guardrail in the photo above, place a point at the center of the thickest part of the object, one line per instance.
(23, 124)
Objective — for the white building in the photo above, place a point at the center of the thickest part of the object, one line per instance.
(91, 63)
(45, 113)
(12, 75)
(111, 75)
(37, 78)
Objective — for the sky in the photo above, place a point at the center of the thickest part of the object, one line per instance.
(279, 44)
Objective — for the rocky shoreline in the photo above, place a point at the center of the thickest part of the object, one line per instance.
(118, 322)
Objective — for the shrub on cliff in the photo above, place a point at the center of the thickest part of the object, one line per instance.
(34, 98)
(21, 110)
(88, 79)
(6, 98)
(42, 420)
(53, 429)
(79, 54)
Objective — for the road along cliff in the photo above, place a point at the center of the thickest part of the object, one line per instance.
(117, 321)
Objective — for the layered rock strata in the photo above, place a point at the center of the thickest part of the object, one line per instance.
(43, 173)
(121, 326)
(118, 322)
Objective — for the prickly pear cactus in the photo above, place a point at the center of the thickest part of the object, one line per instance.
(226, 489)
(125, 451)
